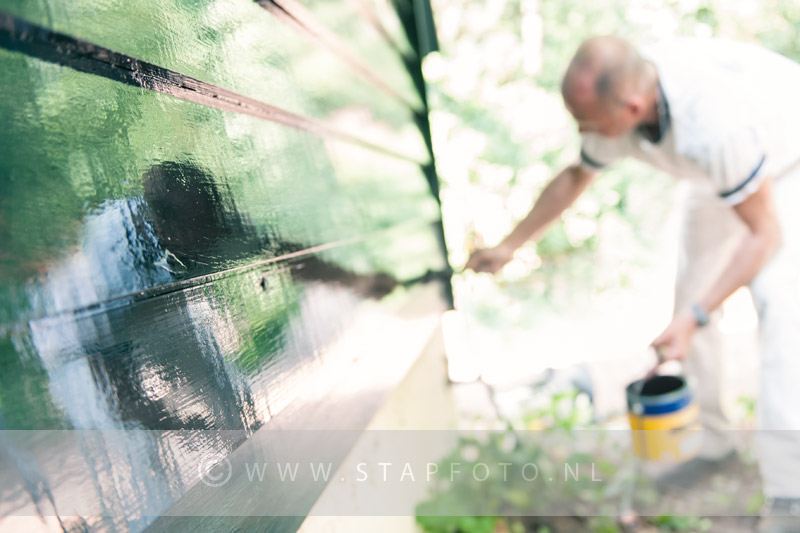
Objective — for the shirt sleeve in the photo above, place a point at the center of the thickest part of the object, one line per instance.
(599, 152)
(737, 165)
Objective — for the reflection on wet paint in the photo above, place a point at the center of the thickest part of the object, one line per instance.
(169, 266)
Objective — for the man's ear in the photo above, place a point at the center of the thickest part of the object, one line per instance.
(635, 106)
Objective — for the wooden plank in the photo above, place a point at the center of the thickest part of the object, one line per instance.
(196, 250)
(205, 190)
(240, 47)
(195, 373)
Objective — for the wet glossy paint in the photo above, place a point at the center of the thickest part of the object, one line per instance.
(196, 227)
(36, 41)
(238, 46)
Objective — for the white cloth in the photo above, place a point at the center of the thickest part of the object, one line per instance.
(710, 234)
(776, 294)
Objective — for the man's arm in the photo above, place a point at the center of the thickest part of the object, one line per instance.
(559, 194)
(763, 239)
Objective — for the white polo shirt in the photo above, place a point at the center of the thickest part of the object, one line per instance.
(733, 113)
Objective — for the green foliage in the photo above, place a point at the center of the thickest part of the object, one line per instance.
(755, 503)
(564, 411)
(603, 524)
(449, 508)
(748, 405)
(25, 400)
(457, 524)
(508, 498)
(511, 492)
(682, 523)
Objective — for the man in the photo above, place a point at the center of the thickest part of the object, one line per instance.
(723, 115)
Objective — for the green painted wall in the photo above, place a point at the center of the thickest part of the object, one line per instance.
(188, 226)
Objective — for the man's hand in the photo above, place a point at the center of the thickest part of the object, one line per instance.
(489, 260)
(673, 343)
(556, 196)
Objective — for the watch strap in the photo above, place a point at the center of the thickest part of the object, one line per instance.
(700, 315)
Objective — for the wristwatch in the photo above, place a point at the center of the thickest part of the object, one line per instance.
(700, 315)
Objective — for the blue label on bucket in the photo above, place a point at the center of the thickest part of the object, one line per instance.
(665, 408)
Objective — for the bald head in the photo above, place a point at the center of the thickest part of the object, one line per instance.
(606, 73)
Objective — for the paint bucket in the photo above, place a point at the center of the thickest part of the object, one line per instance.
(663, 418)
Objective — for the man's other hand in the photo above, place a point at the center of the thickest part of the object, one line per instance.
(489, 260)
(674, 342)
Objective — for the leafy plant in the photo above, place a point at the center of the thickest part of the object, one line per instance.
(501, 500)
(682, 523)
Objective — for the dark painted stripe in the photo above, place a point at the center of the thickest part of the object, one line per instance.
(591, 162)
(742, 185)
(296, 15)
(205, 279)
(36, 41)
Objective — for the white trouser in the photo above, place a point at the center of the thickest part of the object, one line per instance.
(711, 233)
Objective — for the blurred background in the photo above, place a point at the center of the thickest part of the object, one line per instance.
(598, 286)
